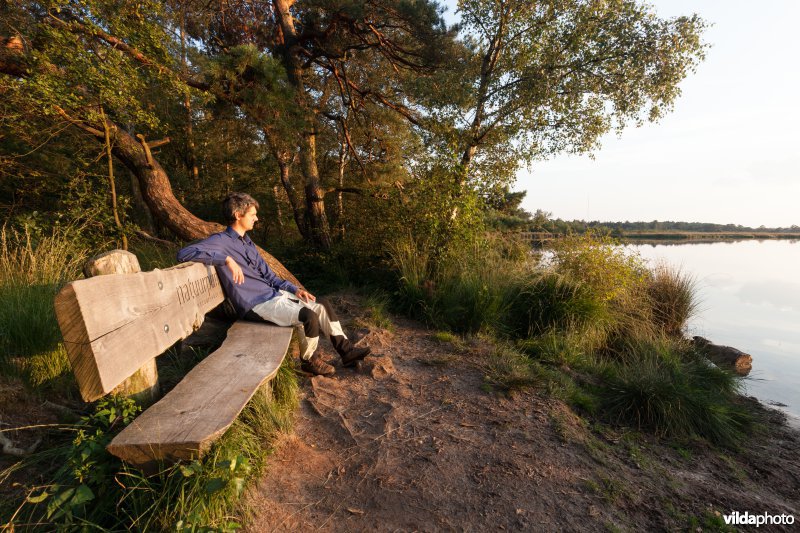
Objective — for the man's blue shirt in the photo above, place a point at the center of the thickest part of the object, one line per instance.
(260, 282)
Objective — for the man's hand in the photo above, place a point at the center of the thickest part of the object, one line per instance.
(305, 295)
(236, 270)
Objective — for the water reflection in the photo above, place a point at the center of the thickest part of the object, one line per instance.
(749, 299)
(782, 295)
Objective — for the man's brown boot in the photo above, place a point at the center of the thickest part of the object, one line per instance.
(317, 366)
(355, 354)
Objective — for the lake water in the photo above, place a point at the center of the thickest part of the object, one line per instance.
(749, 298)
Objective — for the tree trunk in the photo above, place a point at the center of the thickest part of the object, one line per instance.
(157, 192)
(318, 228)
(339, 199)
(297, 211)
(143, 209)
(187, 103)
(112, 184)
(279, 214)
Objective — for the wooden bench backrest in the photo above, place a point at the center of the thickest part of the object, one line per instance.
(114, 324)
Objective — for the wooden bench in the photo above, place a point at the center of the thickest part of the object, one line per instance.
(113, 325)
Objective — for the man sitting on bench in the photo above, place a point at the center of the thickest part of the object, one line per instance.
(257, 293)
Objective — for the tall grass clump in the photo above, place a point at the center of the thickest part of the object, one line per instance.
(671, 294)
(664, 386)
(91, 489)
(466, 289)
(412, 261)
(549, 301)
(31, 272)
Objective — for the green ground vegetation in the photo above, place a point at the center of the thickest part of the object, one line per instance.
(72, 482)
(588, 321)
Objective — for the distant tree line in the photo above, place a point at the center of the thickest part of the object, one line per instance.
(505, 213)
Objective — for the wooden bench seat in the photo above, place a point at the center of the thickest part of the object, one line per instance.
(184, 423)
(115, 325)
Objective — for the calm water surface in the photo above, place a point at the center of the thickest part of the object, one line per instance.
(749, 294)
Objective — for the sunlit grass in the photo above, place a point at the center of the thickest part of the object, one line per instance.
(31, 273)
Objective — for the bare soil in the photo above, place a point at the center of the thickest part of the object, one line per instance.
(413, 440)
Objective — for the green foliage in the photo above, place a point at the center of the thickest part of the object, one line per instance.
(80, 493)
(90, 488)
(540, 78)
(663, 386)
(599, 263)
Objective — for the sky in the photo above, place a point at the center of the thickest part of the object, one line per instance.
(729, 152)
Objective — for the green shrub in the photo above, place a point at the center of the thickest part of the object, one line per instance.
(548, 301)
(600, 263)
(662, 385)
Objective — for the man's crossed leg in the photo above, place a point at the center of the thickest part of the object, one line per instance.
(287, 309)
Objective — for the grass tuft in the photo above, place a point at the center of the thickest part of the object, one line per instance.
(662, 386)
(671, 294)
(508, 370)
(377, 307)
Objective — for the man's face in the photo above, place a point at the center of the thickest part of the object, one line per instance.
(248, 220)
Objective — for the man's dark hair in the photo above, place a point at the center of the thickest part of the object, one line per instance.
(237, 202)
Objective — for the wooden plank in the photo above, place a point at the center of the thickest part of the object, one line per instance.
(114, 324)
(184, 424)
(142, 386)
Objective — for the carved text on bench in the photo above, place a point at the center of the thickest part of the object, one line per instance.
(197, 288)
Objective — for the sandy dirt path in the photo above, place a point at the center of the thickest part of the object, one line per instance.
(411, 441)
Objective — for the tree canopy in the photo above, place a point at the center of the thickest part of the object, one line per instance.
(346, 118)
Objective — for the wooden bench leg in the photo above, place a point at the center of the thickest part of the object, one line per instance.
(142, 386)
